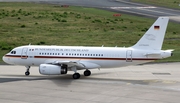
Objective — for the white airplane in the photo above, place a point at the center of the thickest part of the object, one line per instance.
(57, 60)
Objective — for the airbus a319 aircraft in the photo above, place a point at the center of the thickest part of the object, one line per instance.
(57, 60)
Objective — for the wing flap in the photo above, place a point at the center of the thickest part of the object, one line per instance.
(79, 64)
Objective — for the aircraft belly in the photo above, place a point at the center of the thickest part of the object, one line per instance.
(108, 63)
(117, 63)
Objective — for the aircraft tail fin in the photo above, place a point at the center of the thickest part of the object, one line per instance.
(154, 37)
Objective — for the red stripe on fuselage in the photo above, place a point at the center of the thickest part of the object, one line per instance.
(85, 58)
(15, 56)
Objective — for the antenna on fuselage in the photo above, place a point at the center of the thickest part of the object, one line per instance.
(29, 44)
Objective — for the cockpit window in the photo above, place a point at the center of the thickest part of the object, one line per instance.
(13, 52)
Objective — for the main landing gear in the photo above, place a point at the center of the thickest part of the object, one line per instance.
(27, 70)
(87, 72)
(77, 75)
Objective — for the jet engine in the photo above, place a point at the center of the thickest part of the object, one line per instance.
(49, 69)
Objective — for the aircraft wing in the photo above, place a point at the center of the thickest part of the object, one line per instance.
(78, 64)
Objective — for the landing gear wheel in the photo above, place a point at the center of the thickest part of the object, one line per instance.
(76, 76)
(27, 73)
(87, 73)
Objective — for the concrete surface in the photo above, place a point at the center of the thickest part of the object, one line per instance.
(151, 83)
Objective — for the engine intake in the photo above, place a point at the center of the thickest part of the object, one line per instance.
(49, 69)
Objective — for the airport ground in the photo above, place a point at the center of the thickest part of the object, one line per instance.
(150, 83)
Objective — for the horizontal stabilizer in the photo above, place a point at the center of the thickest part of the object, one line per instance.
(152, 54)
(158, 53)
(169, 50)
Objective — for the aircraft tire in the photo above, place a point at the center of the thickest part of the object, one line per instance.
(87, 73)
(27, 73)
(76, 76)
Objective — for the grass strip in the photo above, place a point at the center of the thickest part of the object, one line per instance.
(43, 24)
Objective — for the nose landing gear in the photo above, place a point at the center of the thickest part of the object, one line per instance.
(27, 71)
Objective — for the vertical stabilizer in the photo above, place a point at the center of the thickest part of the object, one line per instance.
(154, 37)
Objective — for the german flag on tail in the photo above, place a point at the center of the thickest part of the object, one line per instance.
(156, 27)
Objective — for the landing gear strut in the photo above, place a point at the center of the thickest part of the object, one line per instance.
(27, 71)
(75, 75)
(87, 72)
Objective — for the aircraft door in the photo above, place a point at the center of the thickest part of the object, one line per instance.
(129, 56)
(24, 53)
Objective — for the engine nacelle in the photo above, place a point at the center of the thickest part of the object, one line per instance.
(49, 69)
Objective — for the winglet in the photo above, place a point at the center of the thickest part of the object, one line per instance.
(154, 37)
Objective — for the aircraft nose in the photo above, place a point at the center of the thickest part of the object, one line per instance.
(8, 60)
(5, 59)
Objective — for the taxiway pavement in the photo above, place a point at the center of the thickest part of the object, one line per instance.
(151, 83)
(120, 6)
